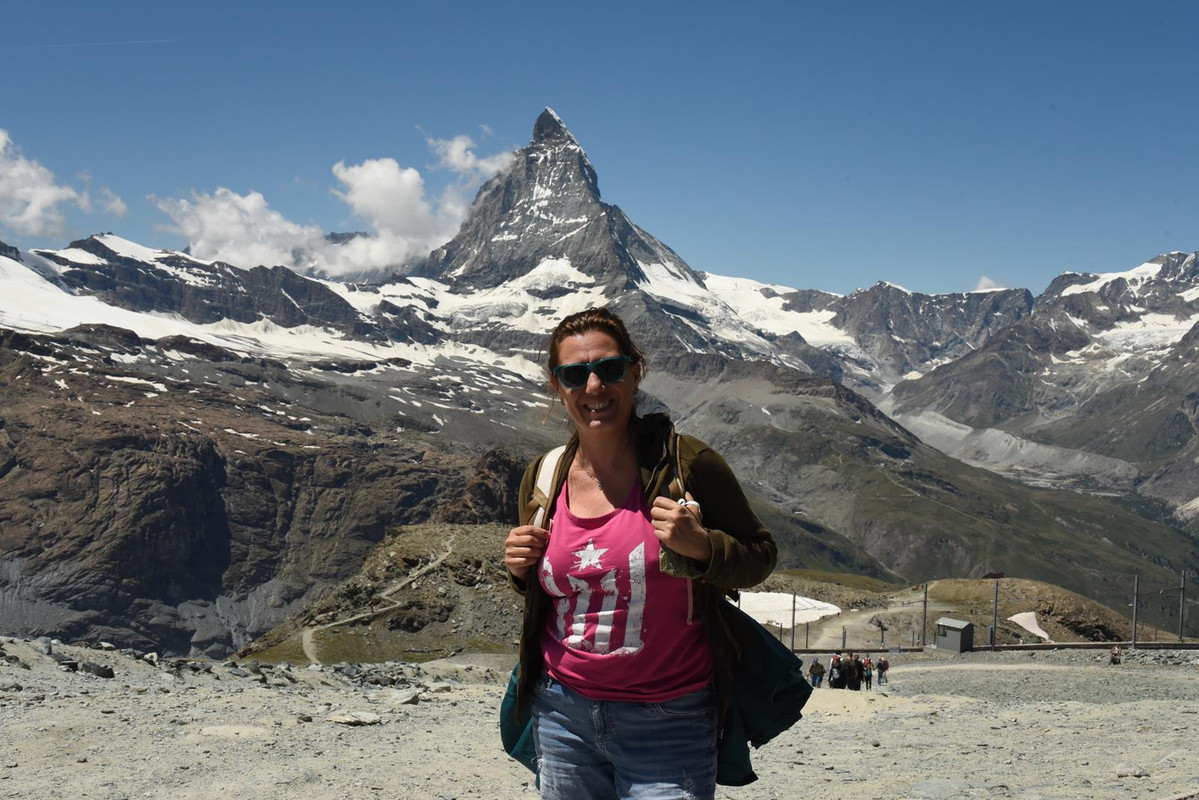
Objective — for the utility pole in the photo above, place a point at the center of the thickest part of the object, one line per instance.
(995, 615)
(1136, 599)
(793, 622)
(1182, 608)
(843, 638)
(924, 618)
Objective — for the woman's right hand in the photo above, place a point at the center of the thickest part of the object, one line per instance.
(523, 548)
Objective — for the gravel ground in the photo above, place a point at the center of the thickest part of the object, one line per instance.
(1055, 724)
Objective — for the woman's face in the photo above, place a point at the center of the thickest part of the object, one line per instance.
(596, 407)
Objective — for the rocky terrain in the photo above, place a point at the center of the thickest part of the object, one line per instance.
(1094, 387)
(97, 723)
(187, 517)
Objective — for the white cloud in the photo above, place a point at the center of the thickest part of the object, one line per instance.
(985, 284)
(364, 254)
(242, 230)
(113, 204)
(458, 155)
(29, 195)
(387, 196)
(454, 203)
(403, 223)
(31, 198)
(245, 231)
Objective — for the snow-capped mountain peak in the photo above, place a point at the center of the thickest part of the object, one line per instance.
(550, 129)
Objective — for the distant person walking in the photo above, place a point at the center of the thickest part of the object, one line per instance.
(853, 674)
(883, 666)
(867, 672)
(816, 673)
(836, 674)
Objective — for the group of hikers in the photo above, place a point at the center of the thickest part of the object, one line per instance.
(849, 672)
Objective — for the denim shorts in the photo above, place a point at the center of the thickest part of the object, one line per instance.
(612, 750)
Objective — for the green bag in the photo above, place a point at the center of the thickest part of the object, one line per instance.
(516, 729)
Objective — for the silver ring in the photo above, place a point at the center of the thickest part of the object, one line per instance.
(688, 503)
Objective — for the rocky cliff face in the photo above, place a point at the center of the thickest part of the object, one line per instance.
(547, 206)
(184, 521)
(1000, 381)
(1159, 286)
(1101, 366)
(8, 251)
(199, 291)
(542, 225)
(908, 331)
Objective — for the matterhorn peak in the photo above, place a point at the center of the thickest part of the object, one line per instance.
(550, 129)
(543, 219)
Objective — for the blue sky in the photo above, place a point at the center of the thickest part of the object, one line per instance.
(817, 145)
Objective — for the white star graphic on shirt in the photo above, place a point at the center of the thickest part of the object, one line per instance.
(589, 556)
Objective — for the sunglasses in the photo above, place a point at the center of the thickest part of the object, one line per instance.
(610, 370)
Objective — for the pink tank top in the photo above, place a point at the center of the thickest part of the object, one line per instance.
(619, 629)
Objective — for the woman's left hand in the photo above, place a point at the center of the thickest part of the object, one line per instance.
(679, 527)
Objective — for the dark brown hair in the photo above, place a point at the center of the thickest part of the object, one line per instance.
(595, 319)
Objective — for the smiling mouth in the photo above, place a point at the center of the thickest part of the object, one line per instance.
(596, 407)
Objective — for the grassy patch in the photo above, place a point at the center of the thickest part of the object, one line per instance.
(846, 579)
(290, 651)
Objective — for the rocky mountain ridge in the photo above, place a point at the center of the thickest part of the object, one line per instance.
(1096, 383)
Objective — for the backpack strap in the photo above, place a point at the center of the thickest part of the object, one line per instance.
(676, 487)
(675, 564)
(545, 484)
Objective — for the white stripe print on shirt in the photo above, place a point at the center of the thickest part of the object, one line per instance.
(580, 628)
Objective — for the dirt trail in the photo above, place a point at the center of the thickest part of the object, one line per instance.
(308, 635)
(859, 634)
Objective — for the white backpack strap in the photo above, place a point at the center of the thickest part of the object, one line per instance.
(545, 484)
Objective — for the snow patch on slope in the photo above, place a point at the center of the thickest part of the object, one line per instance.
(661, 277)
(513, 304)
(1150, 332)
(1135, 277)
(737, 308)
(128, 249)
(761, 305)
(677, 289)
(74, 255)
(1028, 621)
(552, 272)
(39, 306)
(775, 608)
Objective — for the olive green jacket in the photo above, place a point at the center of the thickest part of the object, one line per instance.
(743, 552)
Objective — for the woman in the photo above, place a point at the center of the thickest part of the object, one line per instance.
(624, 654)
